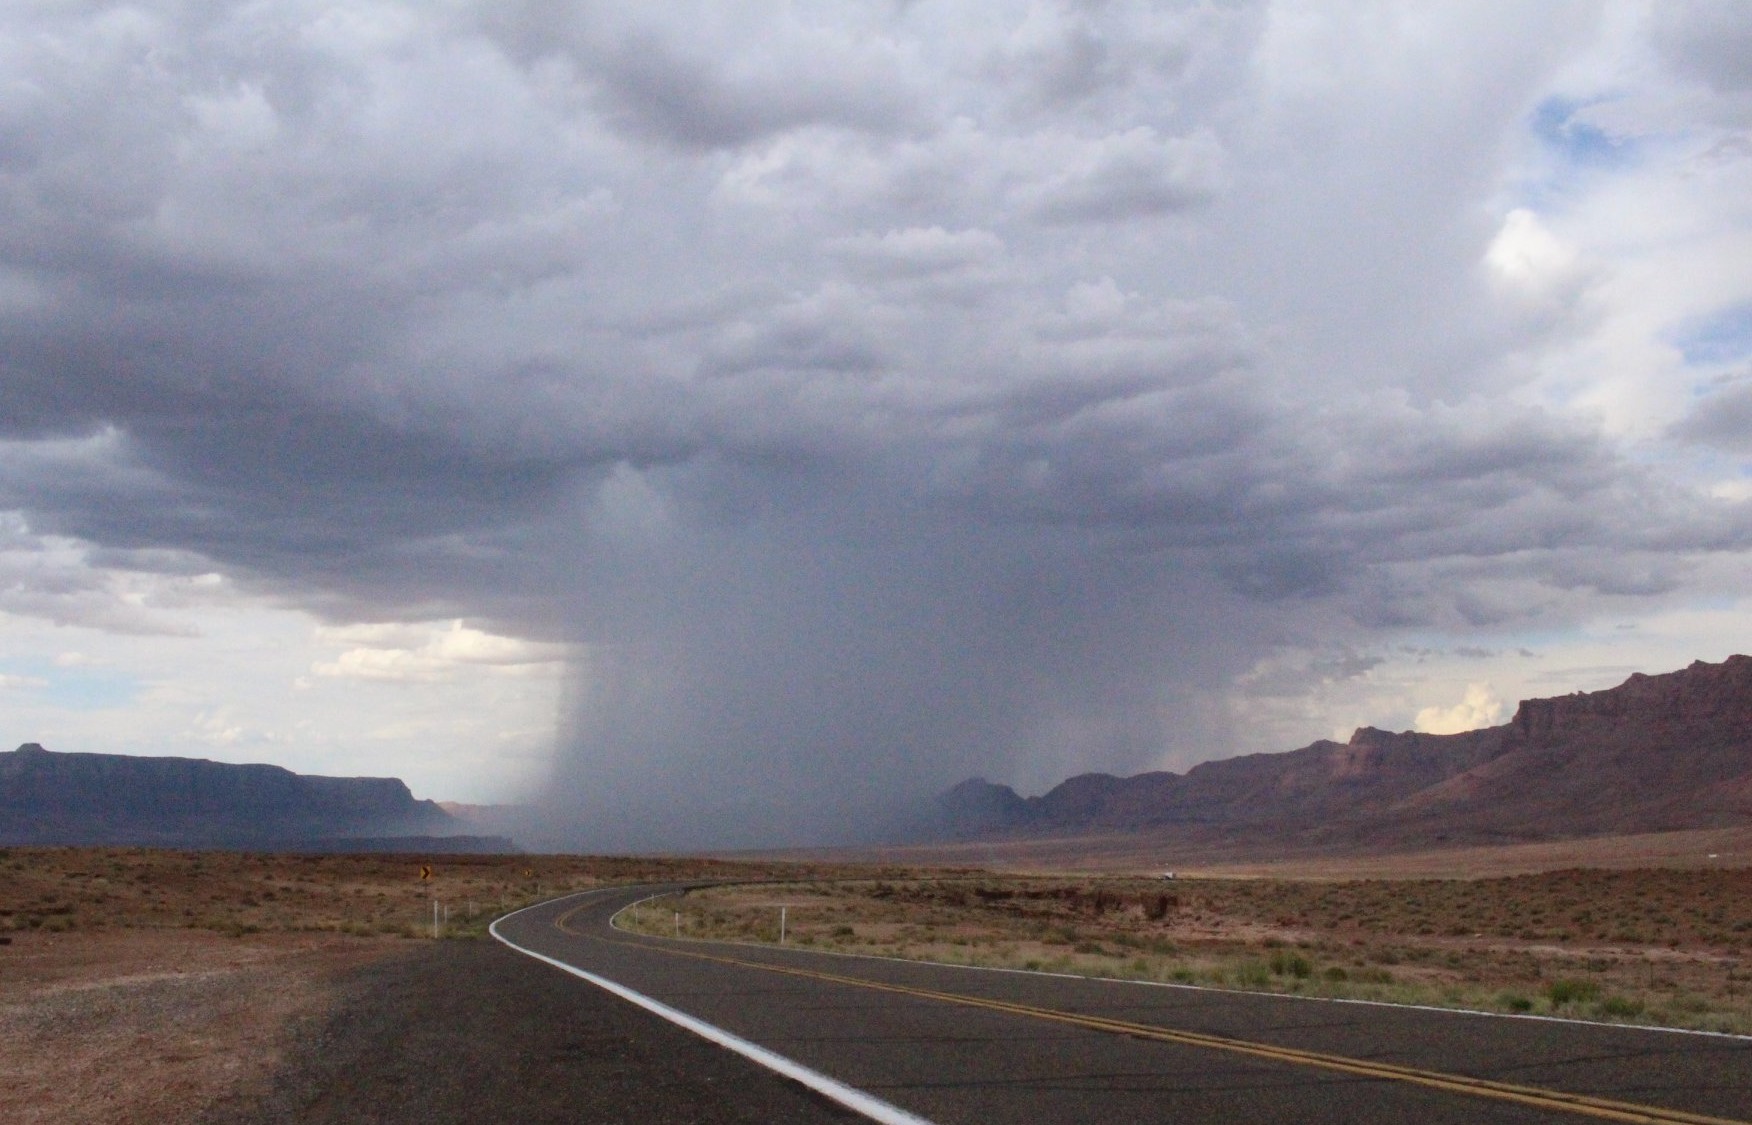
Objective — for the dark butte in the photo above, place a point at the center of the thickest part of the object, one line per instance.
(87, 799)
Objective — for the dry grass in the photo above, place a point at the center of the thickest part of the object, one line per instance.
(1146, 852)
(61, 890)
(1666, 947)
(140, 985)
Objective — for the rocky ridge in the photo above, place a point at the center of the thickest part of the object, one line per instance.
(1656, 753)
(50, 798)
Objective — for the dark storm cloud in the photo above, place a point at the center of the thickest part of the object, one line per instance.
(865, 421)
(1132, 175)
(1708, 39)
(672, 78)
(1722, 419)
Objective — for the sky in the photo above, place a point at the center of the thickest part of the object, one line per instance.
(732, 424)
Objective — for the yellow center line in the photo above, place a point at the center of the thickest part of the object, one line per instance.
(1583, 1104)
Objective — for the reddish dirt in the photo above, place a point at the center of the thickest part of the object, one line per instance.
(1140, 853)
(141, 1025)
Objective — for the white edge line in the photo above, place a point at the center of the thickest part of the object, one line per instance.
(613, 921)
(852, 1098)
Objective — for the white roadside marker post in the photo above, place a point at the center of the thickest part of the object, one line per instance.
(781, 925)
(434, 919)
(678, 923)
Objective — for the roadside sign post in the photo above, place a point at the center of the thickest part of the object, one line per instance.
(781, 925)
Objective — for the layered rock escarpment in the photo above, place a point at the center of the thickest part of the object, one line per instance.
(1656, 753)
(48, 798)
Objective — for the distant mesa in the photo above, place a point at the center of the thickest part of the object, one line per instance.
(88, 799)
(1655, 754)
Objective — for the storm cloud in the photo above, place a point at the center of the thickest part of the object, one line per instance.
(869, 395)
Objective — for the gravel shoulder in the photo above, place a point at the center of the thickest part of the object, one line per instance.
(470, 1031)
(141, 1025)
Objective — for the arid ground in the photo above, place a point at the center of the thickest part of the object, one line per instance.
(139, 984)
(153, 985)
(1145, 853)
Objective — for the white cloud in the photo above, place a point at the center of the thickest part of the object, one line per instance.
(1528, 256)
(1479, 708)
(917, 251)
(430, 653)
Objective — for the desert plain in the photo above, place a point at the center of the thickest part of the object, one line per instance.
(138, 983)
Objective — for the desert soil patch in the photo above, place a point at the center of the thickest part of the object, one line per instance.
(140, 985)
(153, 1025)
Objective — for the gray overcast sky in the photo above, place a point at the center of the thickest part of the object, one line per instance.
(734, 423)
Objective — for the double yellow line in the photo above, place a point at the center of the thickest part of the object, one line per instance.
(1582, 1104)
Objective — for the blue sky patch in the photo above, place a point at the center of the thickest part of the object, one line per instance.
(1555, 122)
(1721, 337)
(78, 689)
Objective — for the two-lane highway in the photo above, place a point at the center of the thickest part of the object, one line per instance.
(966, 1045)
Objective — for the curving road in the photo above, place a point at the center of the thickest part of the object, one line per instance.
(953, 1045)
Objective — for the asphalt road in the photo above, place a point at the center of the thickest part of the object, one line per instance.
(962, 1045)
(467, 1032)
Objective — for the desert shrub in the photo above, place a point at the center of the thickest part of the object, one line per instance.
(1561, 992)
(1292, 965)
(1253, 973)
(1158, 910)
(1515, 1002)
(1336, 974)
(233, 928)
(1621, 1006)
